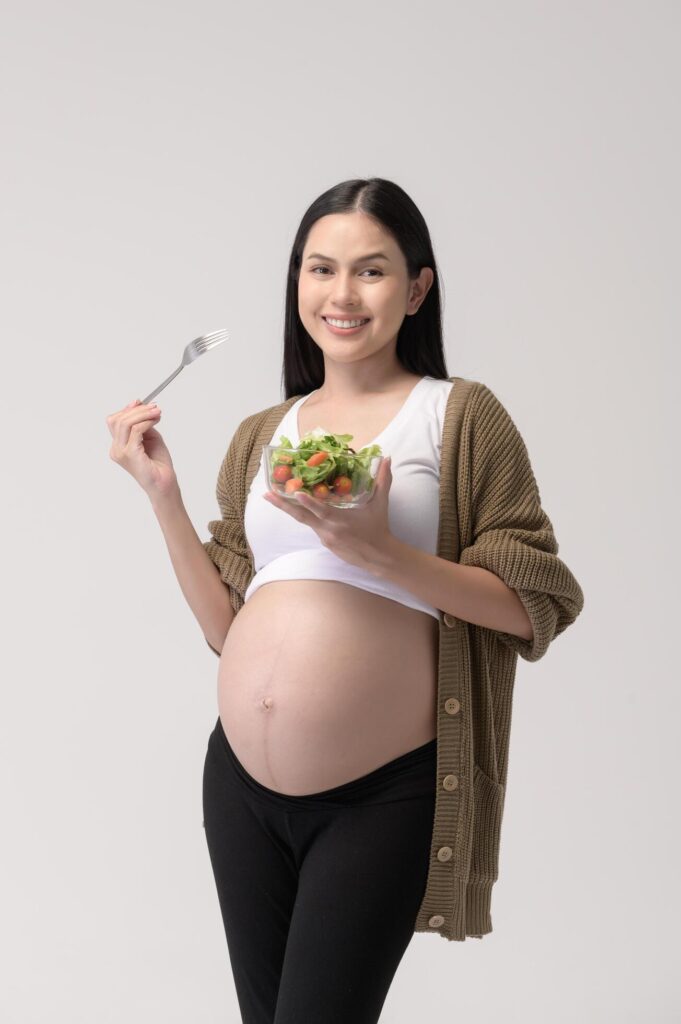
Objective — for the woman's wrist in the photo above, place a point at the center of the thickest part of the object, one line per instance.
(168, 501)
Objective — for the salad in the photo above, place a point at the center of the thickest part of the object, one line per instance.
(323, 465)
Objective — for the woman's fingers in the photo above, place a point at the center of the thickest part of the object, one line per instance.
(121, 423)
(136, 421)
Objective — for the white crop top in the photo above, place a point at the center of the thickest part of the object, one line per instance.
(284, 549)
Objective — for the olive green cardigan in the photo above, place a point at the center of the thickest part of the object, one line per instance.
(490, 516)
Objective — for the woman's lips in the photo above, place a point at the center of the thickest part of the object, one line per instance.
(346, 330)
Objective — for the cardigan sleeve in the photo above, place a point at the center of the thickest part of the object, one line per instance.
(512, 534)
(227, 547)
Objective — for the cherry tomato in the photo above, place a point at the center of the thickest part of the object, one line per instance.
(342, 485)
(282, 473)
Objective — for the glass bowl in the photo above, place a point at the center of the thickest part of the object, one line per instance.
(341, 481)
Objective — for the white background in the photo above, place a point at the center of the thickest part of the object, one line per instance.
(156, 161)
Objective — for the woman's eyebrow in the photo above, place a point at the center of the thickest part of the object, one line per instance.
(362, 259)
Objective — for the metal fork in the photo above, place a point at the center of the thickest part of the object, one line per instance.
(194, 349)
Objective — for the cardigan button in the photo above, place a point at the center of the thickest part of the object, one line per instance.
(450, 620)
(450, 782)
(452, 706)
(436, 920)
(444, 853)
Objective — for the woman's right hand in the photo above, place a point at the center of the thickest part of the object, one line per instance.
(139, 448)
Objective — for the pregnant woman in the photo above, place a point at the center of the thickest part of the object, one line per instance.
(354, 782)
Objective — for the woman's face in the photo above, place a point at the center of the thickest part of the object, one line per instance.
(337, 280)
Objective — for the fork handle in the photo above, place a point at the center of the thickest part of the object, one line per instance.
(161, 386)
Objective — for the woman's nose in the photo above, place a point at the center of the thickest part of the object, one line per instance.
(343, 289)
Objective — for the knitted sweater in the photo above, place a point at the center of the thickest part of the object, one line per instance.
(490, 516)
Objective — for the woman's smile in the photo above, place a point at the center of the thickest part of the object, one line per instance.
(335, 327)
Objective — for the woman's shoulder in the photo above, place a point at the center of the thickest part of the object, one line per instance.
(477, 395)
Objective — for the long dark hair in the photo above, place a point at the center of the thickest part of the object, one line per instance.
(419, 341)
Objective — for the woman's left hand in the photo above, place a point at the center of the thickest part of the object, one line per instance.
(357, 535)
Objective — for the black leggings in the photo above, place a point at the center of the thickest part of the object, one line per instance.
(318, 893)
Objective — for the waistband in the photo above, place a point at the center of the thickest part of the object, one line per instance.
(424, 757)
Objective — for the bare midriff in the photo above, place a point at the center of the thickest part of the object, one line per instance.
(321, 682)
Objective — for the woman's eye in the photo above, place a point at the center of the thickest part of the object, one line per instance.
(369, 270)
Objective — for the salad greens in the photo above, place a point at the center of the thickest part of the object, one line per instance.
(342, 463)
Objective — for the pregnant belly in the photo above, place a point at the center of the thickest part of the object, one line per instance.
(321, 682)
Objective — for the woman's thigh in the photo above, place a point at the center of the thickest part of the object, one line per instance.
(360, 888)
(256, 883)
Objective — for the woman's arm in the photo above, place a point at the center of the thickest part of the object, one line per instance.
(463, 591)
(199, 578)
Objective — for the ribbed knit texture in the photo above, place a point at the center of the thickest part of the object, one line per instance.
(490, 516)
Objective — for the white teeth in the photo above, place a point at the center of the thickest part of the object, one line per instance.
(344, 323)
